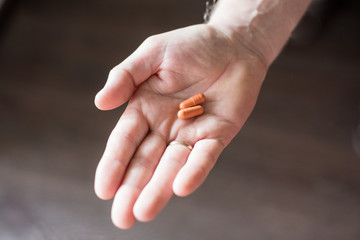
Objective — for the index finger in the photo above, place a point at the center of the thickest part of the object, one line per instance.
(121, 146)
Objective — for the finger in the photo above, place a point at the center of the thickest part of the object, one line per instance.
(201, 160)
(124, 78)
(138, 174)
(122, 143)
(158, 191)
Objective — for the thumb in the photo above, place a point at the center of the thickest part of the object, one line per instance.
(125, 77)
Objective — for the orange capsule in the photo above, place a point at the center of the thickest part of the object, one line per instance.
(190, 112)
(193, 101)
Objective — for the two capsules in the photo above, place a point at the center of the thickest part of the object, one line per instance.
(190, 107)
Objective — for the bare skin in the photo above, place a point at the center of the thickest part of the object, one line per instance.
(138, 168)
(142, 183)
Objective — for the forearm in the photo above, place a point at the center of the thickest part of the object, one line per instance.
(263, 26)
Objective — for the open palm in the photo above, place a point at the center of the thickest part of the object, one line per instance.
(139, 167)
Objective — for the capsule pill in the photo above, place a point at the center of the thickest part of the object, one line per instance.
(193, 101)
(190, 112)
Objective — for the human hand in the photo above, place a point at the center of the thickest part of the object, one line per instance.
(139, 168)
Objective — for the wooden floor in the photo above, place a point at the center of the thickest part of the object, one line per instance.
(290, 174)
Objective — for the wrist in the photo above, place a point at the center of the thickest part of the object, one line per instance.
(241, 38)
(262, 26)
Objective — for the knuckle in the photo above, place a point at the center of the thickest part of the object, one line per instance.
(151, 41)
(114, 71)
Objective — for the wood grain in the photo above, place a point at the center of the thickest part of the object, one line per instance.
(289, 174)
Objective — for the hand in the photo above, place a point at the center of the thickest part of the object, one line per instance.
(139, 169)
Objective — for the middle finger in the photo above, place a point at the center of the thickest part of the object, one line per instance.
(138, 174)
(158, 191)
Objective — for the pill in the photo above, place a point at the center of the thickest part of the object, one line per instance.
(190, 112)
(193, 101)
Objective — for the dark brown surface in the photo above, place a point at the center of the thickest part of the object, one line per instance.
(289, 174)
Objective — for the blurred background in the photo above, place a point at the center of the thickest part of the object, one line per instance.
(291, 173)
